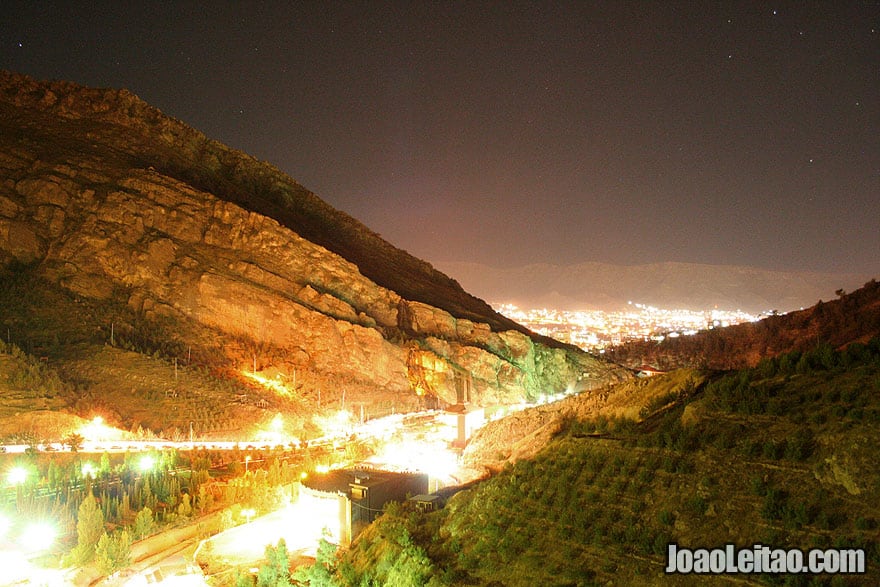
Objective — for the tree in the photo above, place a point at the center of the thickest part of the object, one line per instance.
(89, 528)
(144, 523)
(320, 574)
(276, 571)
(74, 442)
(205, 500)
(113, 552)
(185, 507)
(105, 464)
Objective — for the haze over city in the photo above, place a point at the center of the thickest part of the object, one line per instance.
(516, 133)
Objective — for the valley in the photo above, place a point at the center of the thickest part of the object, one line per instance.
(210, 376)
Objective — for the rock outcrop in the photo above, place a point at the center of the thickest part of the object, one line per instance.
(112, 200)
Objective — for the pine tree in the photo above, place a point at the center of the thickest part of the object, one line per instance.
(320, 574)
(89, 528)
(276, 571)
(144, 523)
(105, 464)
(184, 509)
(113, 552)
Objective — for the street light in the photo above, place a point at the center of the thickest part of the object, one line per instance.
(88, 470)
(247, 459)
(248, 514)
(38, 536)
(146, 463)
(17, 475)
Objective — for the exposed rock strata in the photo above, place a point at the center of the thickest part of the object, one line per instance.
(107, 229)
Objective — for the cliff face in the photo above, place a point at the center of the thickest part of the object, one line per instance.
(105, 196)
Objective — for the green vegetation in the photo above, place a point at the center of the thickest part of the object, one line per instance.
(98, 510)
(782, 454)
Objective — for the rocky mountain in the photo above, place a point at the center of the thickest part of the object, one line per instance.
(853, 317)
(693, 286)
(159, 230)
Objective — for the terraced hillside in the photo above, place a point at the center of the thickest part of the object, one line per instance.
(784, 454)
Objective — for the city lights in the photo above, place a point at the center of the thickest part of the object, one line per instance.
(595, 330)
(274, 433)
(277, 424)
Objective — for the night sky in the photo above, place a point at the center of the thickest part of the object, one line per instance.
(507, 133)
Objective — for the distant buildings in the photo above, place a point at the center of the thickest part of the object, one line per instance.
(596, 330)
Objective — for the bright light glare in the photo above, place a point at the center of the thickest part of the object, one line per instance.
(433, 458)
(97, 431)
(88, 470)
(17, 475)
(146, 463)
(38, 536)
(301, 524)
(274, 433)
(5, 524)
(335, 424)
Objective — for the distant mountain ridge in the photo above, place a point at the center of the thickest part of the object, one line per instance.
(604, 286)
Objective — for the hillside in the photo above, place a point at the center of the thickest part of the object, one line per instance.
(123, 228)
(777, 455)
(853, 317)
(52, 121)
(690, 286)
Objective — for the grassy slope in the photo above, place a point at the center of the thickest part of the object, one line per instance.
(783, 455)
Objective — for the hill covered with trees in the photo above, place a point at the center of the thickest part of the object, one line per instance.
(783, 454)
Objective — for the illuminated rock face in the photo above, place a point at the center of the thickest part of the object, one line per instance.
(104, 228)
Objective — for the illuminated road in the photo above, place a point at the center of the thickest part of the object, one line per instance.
(379, 428)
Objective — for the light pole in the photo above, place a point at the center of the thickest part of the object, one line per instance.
(247, 459)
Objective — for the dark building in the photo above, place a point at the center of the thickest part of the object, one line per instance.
(363, 493)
